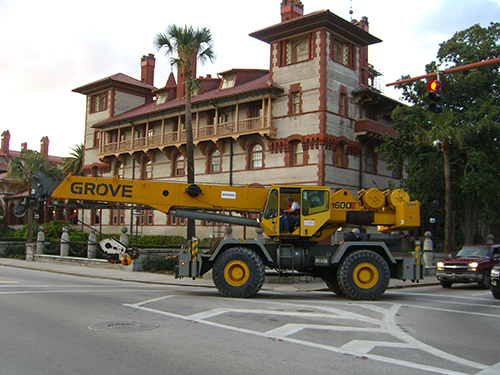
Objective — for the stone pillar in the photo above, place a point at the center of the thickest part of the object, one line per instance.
(40, 240)
(64, 242)
(260, 237)
(489, 239)
(428, 250)
(92, 245)
(30, 251)
(228, 231)
(124, 236)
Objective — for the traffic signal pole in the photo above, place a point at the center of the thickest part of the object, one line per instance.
(448, 71)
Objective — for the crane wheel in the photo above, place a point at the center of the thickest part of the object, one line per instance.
(238, 272)
(332, 283)
(363, 275)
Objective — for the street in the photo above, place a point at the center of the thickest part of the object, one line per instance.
(64, 324)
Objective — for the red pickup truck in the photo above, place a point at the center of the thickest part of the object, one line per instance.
(471, 264)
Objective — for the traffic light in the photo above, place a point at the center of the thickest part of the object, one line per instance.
(436, 96)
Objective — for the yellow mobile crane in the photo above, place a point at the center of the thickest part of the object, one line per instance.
(359, 267)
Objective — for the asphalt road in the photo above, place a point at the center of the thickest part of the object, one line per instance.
(63, 324)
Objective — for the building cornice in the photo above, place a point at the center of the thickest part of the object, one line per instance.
(314, 21)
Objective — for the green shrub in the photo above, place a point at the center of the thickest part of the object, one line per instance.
(15, 251)
(152, 263)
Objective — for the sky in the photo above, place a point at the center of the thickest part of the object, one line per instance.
(48, 48)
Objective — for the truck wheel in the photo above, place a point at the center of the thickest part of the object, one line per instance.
(486, 283)
(446, 284)
(238, 272)
(332, 283)
(363, 275)
(495, 292)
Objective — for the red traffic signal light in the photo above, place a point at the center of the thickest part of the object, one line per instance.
(433, 86)
(435, 96)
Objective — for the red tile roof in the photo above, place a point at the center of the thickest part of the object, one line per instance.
(258, 84)
(114, 80)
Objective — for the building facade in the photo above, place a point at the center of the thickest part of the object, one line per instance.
(12, 191)
(313, 118)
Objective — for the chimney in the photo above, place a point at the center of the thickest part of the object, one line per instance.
(24, 146)
(148, 69)
(364, 77)
(291, 9)
(5, 142)
(44, 147)
(363, 24)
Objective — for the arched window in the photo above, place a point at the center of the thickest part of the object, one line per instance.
(256, 157)
(215, 161)
(297, 50)
(297, 154)
(179, 165)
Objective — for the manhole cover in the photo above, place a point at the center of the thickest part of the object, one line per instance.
(122, 327)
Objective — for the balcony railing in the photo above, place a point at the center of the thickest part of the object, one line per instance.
(202, 133)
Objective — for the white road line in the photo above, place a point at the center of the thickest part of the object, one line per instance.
(365, 346)
(76, 291)
(292, 328)
(153, 300)
(417, 366)
(417, 295)
(454, 311)
(493, 370)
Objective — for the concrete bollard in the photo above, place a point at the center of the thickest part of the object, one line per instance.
(260, 237)
(40, 240)
(124, 236)
(30, 251)
(228, 232)
(489, 239)
(64, 242)
(92, 245)
(428, 250)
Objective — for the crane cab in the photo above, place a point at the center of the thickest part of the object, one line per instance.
(314, 212)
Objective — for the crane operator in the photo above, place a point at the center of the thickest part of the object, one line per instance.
(292, 215)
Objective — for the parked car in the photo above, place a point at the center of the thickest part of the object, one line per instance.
(471, 264)
(495, 281)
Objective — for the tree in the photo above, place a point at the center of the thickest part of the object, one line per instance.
(74, 163)
(467, 134)
(187, 45)
(21, 168)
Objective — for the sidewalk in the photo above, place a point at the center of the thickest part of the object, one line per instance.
(156, 278)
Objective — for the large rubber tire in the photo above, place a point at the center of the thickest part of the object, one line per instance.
(332, 283)
(495, 292)
(486, 283)
(238, 272)
(363, 275)
(446, 284)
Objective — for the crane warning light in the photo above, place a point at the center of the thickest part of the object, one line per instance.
(435, 97)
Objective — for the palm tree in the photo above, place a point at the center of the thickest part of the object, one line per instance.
(187, 45)
(20, 169)
(74, 163)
